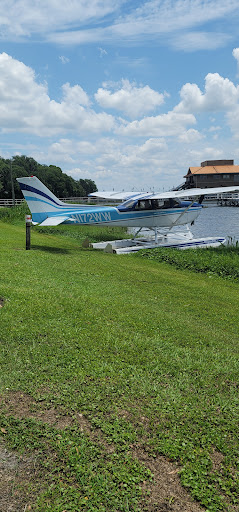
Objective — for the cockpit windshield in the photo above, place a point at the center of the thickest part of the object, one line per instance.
(128, 205)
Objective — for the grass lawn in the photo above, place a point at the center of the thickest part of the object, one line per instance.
(119, 375)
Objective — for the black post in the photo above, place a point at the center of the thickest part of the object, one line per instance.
(13, 191)
(28, 232)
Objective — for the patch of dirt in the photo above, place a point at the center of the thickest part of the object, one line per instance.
(217, 459)
(22, 405)
(166, 491)
(17, 481)
(164, 494)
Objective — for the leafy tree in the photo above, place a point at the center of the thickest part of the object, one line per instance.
(88, 185)
(52, 176)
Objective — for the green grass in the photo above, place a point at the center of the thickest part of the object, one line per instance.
(146, 352)
(14, 215)
(222, 261)
(79, 233)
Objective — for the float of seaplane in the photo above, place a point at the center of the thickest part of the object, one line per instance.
(158, 213)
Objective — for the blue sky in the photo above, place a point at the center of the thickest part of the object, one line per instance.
(129, 94)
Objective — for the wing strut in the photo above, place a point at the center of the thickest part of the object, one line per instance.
(137, 232)
(180, 216)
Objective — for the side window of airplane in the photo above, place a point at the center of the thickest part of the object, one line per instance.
(150, 204)
(157, 203)
(140, 205)
(144, 204)
(166, 203)
(170, 203)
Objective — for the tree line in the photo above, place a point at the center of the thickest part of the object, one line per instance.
(57, 181)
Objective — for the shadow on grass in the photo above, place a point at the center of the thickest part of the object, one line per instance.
(54, 250)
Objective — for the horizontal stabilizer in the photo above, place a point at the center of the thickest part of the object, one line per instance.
(55, 220)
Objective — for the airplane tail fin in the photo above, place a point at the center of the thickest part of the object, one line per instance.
(41, 201)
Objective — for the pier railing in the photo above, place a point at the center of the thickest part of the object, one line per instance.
(7, 203)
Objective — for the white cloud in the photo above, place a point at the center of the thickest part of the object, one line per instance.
(132, 100)
(235, 54)
(161, 19)
(75, 95)
(233, 121)
(213, 152)
(121, 154)
(78, 22)
(190, 136)
(79, 37)
(119, 163)
(100, 173)
(215, 128)
(163, 125)
(102, 52)
(75, 147)
(26, 17)
(125, 60)
(110, 158)
(25, 105)
(64, 59)
(194, 41)
(220, 95)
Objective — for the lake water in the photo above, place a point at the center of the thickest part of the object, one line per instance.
(218, 221)
(222, 221)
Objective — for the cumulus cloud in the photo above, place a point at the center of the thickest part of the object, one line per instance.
(25, 105)
(132, 100)
(73, 147)
(190, 136)
(75, 95)
(103, 148)
(114, 160)
(220, 95)
(235, 54)
(163, 125)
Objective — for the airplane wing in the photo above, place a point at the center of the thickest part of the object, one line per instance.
(119, 196)
(192, 192)
(171, 194)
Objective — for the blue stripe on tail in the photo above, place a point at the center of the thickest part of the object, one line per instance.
(36, 191)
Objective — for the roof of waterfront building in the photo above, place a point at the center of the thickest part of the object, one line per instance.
(215, 167)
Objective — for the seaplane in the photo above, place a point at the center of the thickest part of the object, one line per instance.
(159, 213)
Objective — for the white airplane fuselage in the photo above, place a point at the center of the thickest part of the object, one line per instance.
(48, 210)
(145, 219)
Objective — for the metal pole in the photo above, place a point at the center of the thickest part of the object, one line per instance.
(28, 220)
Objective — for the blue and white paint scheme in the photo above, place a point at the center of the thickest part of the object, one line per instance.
(139, 210)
